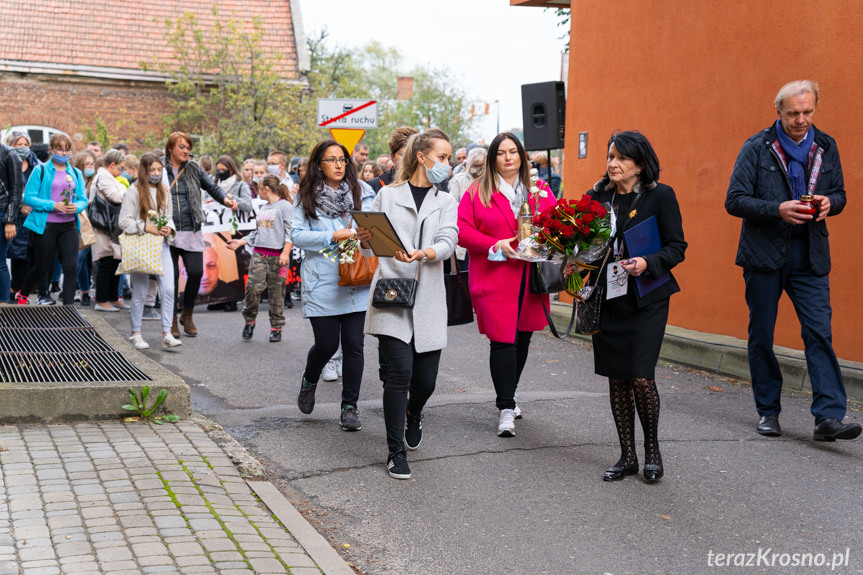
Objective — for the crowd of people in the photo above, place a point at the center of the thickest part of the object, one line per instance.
(439, 206)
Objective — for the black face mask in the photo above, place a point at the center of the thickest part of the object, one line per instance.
(223, 175)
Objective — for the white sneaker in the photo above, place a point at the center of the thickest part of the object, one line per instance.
(329, 373)
(517, 411)
(338, 366)
(138, 341)
(170, 341)
(506, 423)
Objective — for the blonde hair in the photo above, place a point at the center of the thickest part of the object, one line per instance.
(417, 143)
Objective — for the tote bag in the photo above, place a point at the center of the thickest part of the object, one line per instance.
(140, 254)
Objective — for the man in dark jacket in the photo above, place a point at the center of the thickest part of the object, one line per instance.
(11, 190)
(783, 247)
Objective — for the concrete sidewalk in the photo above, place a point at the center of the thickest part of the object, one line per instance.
(133, 499)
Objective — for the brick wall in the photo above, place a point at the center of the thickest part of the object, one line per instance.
(131, 111)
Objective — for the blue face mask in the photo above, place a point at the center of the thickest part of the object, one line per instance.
(60, 159)
(88, 172)
(126, 175)
(437, 173)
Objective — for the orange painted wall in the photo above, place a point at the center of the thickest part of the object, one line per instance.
(698, 78)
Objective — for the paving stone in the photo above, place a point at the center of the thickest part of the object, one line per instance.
(40, 571)
(133, 521)
(138, 531)
(239, 572)
(222, 556)
(170, 522)
(145, 549)
(33, 531)
(223, 565)
(73, 549)
(155, 560)
(197, 570)
(112, 566)
(267, 565)
(88, 489)
(64, 561)
(114, 554)
(64, 521)
(179, 532)
(36, 554)
(96, 512)
(100, 523)
(204, 524)
(185, 549)
(25, 504)
(189, 560)
(253, 546)
(145, 539)
(124, 497)
(109, 544)
(223, 544)
(297, 560)
(86, 568)
(166, 569)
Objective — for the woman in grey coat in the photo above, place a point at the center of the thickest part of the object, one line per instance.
(425, 220)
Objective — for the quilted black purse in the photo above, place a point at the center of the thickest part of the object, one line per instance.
(590, 305)
(395, 292)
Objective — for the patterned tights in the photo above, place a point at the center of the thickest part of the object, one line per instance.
(646, 399)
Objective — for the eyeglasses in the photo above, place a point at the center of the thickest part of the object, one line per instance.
(336, 161)
(59, 151)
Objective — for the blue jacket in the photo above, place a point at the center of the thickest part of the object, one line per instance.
(760, 183)
(321, 293)
(37, 195)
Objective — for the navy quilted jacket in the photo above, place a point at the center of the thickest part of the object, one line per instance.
(760, 183)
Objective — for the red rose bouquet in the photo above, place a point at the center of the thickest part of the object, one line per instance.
(579, 230)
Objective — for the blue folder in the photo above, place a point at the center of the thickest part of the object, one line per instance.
(641, 240)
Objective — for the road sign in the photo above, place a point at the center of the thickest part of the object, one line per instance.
(350, 114)
(347, 137)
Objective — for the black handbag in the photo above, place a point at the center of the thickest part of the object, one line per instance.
(459, 305)
(546, 277)
(395, 292)
(589, 308)
(103, 215)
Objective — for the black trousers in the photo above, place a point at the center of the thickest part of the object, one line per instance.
(194, 264)
(411, 378)
(58, 238)
(507, 362)
(107, 282)
(328, 331)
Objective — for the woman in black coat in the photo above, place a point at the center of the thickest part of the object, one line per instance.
(632, 324)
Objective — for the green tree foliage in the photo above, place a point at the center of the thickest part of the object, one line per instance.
(372, 72)
(228, 90)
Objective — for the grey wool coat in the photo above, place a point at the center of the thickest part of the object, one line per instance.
(426, 322)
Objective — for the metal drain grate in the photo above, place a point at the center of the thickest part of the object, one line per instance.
(57, 345)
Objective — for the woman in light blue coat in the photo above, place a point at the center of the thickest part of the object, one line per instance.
(321, 218)
(57, 195)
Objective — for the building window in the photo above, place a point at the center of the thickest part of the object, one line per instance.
(37, 134)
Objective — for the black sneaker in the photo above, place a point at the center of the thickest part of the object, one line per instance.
(275, 335)
(350, 419)
(231, 306)
(397, 466)
(306, 397)
(248, 331)
(414, 431)
(85, 299)
(55, 287)
(46, 299)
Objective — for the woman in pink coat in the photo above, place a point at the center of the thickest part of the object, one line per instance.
(487, 227)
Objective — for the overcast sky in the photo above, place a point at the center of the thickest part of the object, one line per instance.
(490, 47)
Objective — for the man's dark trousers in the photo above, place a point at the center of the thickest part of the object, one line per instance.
(810, 295)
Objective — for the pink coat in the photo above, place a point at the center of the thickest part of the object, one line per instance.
(494, 286)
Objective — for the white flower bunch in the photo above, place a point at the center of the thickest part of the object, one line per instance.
(534, 189)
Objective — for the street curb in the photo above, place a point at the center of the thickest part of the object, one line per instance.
(314, 544)
(318, 548)
(728, 356)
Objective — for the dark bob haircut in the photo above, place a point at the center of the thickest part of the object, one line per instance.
(636, 147)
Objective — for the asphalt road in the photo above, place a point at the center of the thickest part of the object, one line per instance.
(479, 504)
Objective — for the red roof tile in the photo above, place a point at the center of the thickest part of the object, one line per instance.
(116, 34)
